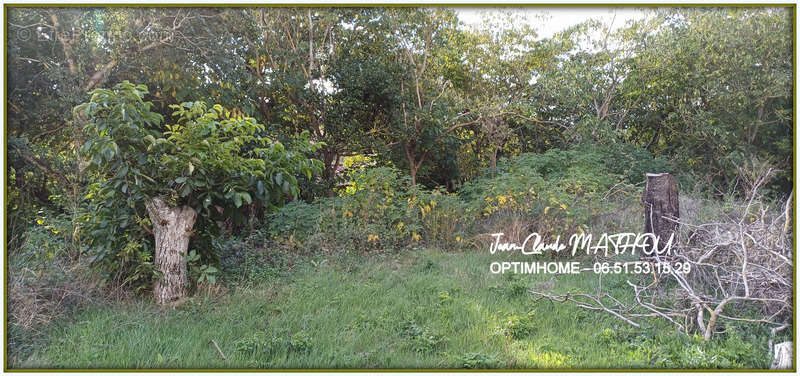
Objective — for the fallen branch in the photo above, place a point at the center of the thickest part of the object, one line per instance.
(213, 342)
(599, 307)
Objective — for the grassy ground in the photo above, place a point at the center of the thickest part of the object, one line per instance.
(414, 309)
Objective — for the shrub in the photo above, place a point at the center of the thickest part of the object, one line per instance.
(376, 210)
(445, 219)
(557, 192)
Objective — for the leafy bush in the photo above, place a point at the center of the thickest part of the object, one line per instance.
(208, 163)
(633, 162)
(296, 219)
(200, 272)
(552, 193)
(376, 210)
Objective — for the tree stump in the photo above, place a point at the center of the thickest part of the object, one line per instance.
(783, 356)
(661, 213)
(172, 228)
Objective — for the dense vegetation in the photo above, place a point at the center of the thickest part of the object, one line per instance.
(307, 142)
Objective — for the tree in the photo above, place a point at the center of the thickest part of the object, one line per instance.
(429, 107)
(56, 55)
(501, 58)
(583, 85)
(716, 89)
(306, 70)
(198, 168)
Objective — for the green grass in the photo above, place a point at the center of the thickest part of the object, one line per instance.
(414, 309)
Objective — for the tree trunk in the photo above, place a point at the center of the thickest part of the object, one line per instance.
(661, 210)
(412, 165)
(493, 157)
(783, 356)
(172, 228)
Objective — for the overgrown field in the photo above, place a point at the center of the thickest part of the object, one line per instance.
(319, 187)
(416, 309)
(387, 275)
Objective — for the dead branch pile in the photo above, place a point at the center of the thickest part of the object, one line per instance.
(741, 270)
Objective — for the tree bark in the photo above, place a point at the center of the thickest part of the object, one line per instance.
(493, 157)
(412, 165)
(172, 228)
(783, 356)
(661, 211)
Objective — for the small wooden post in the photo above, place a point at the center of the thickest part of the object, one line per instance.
(661, 210)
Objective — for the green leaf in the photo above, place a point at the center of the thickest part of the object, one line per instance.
(187, 189)
(108, 153)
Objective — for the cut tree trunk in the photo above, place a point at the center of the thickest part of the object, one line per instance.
(661, 211)
(783, 356)
(172, 228)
